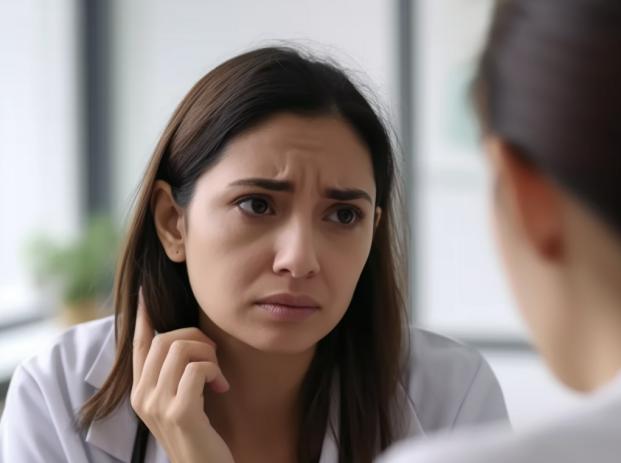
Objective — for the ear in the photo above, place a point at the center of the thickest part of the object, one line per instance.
(528, 200)
(169, 221)
(378, 216)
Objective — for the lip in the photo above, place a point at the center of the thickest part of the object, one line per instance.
(293, 301)
(288, 307)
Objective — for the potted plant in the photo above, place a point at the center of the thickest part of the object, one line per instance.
(82, 271)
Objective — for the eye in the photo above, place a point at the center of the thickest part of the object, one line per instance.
(345, 216)
(255, 206)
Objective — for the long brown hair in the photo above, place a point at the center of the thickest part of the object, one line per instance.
(368, 346)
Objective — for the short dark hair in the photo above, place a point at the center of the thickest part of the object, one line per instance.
(549, 84)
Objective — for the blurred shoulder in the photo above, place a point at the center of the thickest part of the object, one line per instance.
(590, 432)
(451, 384)
(433, 353)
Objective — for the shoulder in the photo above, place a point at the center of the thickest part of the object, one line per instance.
(590, 434)
(75, 362)
(432, 354)
(47, 391)
(480, 445)
(451, 384)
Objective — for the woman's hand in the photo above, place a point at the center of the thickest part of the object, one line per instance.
(170, 373)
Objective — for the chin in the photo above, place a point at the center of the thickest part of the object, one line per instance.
(571, 380)
(563, 368)
(280, 341)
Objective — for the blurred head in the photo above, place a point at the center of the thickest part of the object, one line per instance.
(273, 185)
(549, 100)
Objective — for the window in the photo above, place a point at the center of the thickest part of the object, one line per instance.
(461, 288)
(39, 186)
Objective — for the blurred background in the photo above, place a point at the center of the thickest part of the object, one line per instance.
(87, 86)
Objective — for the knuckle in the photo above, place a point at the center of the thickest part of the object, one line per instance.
(207, 370)
(178, 348)
(159, 342)
(152, 409)
(138, 403)
(193, 369)
(175, 415)
(180, 415)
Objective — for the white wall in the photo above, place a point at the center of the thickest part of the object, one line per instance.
(162, 48)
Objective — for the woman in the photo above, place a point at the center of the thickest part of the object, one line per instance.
(550, 103)
(264, 254)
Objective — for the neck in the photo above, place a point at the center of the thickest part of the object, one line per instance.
(600, 359)
(597, 331)
(592, 285)
(263, 384)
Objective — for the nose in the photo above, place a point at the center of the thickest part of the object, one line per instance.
(296, 251)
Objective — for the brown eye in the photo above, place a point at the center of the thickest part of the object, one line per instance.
(254, 206)
(345, 216)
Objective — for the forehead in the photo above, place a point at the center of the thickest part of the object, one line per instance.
(324, 148)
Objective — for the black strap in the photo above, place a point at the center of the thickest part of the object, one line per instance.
(140, 443)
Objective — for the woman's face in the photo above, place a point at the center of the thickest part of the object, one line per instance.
(278, 231)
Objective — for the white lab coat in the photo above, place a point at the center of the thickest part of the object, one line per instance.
(450, 386)
(590, 433)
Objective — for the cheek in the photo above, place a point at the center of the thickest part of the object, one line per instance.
(517, 270)
(505, 247)
(343, 264)
(228, 259)
(222, 258)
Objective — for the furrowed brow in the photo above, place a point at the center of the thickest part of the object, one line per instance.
(265, 183)
(347, 194)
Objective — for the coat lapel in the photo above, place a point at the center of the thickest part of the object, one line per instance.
(330, 450)
(114, 433)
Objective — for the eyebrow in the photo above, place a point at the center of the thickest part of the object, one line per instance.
(339, 194)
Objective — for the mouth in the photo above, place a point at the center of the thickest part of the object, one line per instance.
(289, 307)
(293, 301)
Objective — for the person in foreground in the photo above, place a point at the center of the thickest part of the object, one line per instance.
(549, 96)
(260, 312)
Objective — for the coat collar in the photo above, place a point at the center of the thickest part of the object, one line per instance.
(111, 433)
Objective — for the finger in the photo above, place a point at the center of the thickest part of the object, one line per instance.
(194, 378)
(143, 336)
(180, 354)
(159, 351)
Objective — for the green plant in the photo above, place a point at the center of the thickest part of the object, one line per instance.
(83, 270)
